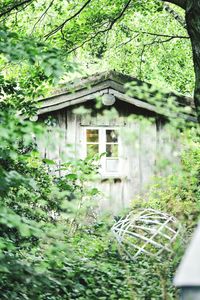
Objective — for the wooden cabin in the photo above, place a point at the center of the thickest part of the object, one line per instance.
(96, 115)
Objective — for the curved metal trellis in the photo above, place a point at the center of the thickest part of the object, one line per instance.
(148, 231)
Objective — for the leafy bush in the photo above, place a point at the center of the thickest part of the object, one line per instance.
(93, 269)
(34, 215)
(179, 193)
(46, 251)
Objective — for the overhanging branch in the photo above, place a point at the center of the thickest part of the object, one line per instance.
(180, 3)
(161, 35)
(103, 30)
(43, 14)
(60, 27)
(156, 40)
(175, 15)
(15, 6)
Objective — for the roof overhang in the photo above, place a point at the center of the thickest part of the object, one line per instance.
(89, 89)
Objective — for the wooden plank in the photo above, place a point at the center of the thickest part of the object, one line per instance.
(131, 152)
(59, 99)
(147, 152)
(71, 134)
(70, 103)
(63, 132)
(133, 101)
(150, 107)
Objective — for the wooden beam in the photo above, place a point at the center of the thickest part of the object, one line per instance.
(67, 103)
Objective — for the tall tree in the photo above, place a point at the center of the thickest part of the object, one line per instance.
(192, 12)
(192, 16)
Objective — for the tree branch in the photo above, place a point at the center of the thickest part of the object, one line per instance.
(43, 15)
(169, 37)
(162, 35)
(16, 12)
(176, 16)
(60, 27)
(15, 6)
(127, 41)
(180, 3)
(103, 30)
(155, 41)
(67, 20)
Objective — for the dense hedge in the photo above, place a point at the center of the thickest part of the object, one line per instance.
(91, 269)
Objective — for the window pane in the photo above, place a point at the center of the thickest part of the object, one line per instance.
(92, 135)
(111, 136)
(112, 165)
(92, 149)
(112, 150)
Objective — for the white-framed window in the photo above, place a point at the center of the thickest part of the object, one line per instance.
(98, 140)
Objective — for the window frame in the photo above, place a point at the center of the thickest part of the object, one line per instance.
(102, 142)
(91, 143)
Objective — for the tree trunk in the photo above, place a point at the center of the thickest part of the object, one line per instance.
(193, 27)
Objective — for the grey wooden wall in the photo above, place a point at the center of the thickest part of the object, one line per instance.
(142, 142)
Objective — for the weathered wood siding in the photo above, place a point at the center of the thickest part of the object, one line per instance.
(139, 147)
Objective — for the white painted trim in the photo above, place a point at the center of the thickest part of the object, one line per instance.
(102, 149)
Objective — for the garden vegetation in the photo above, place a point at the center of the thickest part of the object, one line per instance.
(51, 247)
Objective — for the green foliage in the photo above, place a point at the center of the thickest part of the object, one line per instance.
(91, 268)
(27, 68)
(44, 254)
(135, 41)
(47, 249)
(179, 193)
(102, 274)
(35, 219)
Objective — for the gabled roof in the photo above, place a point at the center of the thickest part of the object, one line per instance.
(88, 89)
